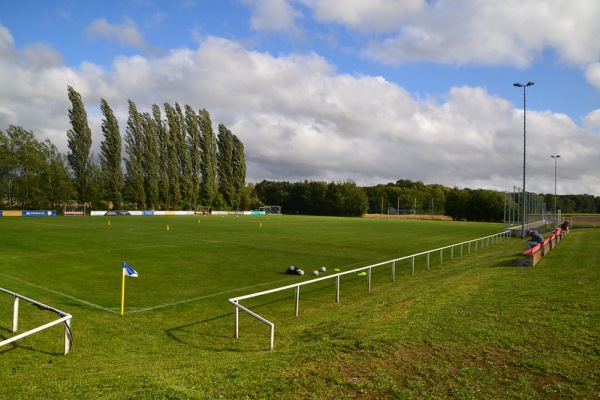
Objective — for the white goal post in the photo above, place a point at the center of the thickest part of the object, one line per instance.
(74, 209)
(271, 209)
(203, 210)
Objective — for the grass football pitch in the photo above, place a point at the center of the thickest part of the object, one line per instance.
(458, 329)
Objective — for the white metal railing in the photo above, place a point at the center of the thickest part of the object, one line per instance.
(476, 243)
(64, 318)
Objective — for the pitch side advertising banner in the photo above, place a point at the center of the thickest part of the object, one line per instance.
(47, 213)
(136, 212)
(28, 213)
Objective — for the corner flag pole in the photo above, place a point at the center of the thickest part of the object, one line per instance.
(127, 271)
(123, 294)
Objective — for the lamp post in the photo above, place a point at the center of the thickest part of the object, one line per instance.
(524, 86)
(555, 158)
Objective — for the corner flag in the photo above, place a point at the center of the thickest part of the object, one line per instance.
(127, 271)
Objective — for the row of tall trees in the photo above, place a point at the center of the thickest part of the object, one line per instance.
(175, 162)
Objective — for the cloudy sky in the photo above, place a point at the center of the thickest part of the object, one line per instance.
(368, 90)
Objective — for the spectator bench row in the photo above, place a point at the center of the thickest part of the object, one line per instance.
(535, 254)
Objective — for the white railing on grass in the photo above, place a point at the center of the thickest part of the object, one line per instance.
(476, 243)
(64, 318)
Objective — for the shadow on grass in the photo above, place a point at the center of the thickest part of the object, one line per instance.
(15, 346)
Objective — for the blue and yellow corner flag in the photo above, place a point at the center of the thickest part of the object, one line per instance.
(128, 271)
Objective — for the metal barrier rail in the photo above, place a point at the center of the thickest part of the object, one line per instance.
(64, 318)
(495, 238)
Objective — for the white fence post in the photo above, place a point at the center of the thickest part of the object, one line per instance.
(337, 276)
(64, 318)
(236, 320)
(68, 338)
(15, 325)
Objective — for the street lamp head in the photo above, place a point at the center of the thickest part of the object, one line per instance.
(525, 85)
(556, 156)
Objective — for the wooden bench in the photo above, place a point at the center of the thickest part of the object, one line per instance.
(557, 233)
(547, 245)
(533, 255)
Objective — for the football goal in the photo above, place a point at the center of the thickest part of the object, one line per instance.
(202, 210)
(271, 209)
(74, 209)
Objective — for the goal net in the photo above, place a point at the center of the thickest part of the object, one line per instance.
(202, 210)
(271, 209)
(74, 209)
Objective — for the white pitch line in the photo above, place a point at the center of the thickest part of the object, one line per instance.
(138, 310)
(60, 294)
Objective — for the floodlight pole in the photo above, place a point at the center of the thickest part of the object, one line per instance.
(555, 158)
(524, 86)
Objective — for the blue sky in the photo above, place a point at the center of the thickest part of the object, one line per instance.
(371, 91)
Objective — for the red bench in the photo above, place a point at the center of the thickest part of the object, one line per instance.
(533, 255)
(547, 245)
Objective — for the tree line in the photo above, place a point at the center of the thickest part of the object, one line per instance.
(405, 197)
(173, 160)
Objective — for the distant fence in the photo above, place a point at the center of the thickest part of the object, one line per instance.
(64, 318)
(583, 220)
(474, 244)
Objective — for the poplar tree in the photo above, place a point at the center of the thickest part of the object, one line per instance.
(208, 165)
(150, 161)
(79, 143)
(185, 162)
(134, 147)
(193, 136)
(238, 170)
(110, 156)
(225, 164)
(172, 160)
(162, 137)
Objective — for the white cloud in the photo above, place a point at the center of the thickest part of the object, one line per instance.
(593, 74)
(126, 33)
(272, 15)
(592, 120)
(300, 119)
(511, 32)
(368, 16)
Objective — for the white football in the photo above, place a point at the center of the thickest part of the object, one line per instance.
(316, 272)
(300, 272)
(323, 269)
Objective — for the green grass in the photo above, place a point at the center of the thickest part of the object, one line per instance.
(475, 327)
